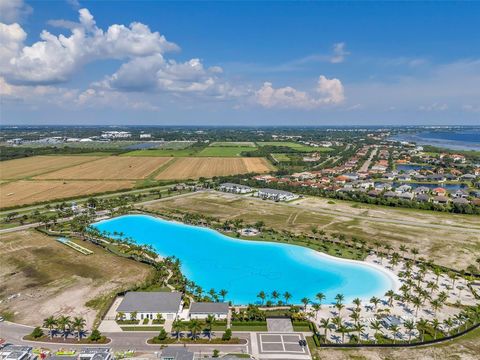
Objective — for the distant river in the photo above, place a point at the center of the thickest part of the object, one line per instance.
(468, 139)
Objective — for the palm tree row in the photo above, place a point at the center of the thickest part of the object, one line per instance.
(65, 325)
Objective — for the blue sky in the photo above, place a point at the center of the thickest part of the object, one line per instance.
(239, 63)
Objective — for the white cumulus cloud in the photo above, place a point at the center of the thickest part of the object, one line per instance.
(327, 92)
(339, 53)
(54, 59)
(12, 11)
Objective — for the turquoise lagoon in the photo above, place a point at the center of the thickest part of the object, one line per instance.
(244, 267)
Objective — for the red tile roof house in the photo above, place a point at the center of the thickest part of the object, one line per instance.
(439, 191)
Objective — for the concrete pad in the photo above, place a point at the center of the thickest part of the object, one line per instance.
(283, 325)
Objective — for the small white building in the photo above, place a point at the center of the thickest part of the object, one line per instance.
(235, 188)
(201, 310)
(147, 305)
(277, 195)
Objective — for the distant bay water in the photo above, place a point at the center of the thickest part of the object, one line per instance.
(464, 139)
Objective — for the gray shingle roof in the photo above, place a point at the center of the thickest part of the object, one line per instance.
(209, 308)
(162, 302)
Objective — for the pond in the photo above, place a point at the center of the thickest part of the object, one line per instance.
(245, 267)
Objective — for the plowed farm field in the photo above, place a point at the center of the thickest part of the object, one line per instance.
(36, 165)
(109, 168)
(194, 168)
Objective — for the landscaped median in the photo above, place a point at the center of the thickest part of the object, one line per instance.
(216, 341)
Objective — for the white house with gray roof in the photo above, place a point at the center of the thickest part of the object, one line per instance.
(277, 195)
(147, 305)
(201, 310)
(235, 188)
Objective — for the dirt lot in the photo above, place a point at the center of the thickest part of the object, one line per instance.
(109, 168)
(28, 192)
(21, 168)
(448, 244)
(194, 168)
(48, 278)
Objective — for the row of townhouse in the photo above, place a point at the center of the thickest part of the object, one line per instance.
(138, 305)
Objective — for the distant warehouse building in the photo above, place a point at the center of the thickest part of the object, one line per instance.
(276, 195)
(235, 188)
(147, 305)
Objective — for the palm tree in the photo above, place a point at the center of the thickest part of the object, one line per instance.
(432, 286)
(316, 307)
(435, 326)
(339, 298)
(339, 307)
(223, 293)
(417, 302)
(415, 253)
(394, 329)
(403, 249)
(342, 329)
(376, 326)
(63, 323)
(320, 297)
(452, 277)
(261, 295)
(375, 301)
(409, 325)
(448, 323)
(359, 329)
(355, 316)
(177, 326)
(436, 305)
(357, 302)
(422, 326)
(194, 326)
(50, 324)
(305, 302)
(390, 294)
(210, 321)
(287, 296)
(275, 294)
(78, 324)
(437, 271)
(325, 324)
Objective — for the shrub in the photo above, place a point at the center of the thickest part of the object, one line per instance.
(227, 335)
(95, 335)
(145, 321)
(37, 333)
(216, 353)
(162, 335)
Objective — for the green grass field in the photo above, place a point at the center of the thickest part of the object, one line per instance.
(294, 145)
(233, 143)
(163, 152)
(224, 151)
(281, 157)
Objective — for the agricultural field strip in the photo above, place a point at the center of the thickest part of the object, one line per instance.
(35, 166)
(196, 167)
(110, 168)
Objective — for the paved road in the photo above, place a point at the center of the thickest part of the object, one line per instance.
(367, 162)
(13, 333)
